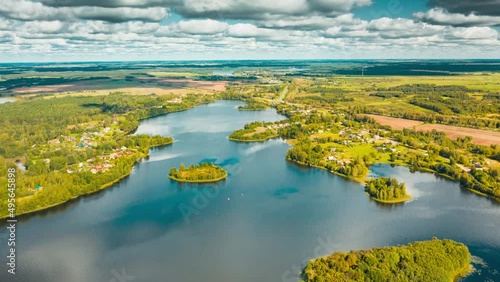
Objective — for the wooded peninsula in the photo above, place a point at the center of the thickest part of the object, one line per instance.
(426, 261)
(65, 147)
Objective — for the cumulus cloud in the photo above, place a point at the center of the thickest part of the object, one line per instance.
(202, 26)
(310, 23)
(34, 11)
(122, 14)
(478, 7)
(248, 30)
(265, 9)
(475, 33)
(402, 28)
(294, 28)
(111, 3)
(439, 16)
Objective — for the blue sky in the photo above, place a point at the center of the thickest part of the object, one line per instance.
(90, 30)
(391, 9)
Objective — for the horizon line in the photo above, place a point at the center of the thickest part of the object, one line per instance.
(252, 60)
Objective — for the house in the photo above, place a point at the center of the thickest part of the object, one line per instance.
(54, 141)
(478, 166)
(38, 188)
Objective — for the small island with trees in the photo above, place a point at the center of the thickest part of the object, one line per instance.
(387, 190)
(433, 260)
(201, 173)
(255, 132)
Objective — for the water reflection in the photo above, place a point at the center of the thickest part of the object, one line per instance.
(261, 224)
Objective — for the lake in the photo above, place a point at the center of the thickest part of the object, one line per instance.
(4, 100)
(261, 224)
(223, 72)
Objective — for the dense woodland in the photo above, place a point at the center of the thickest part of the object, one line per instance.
(427, 261)
(203, 172)
(386, 189)
(43, 135)
(9, 84)
(318, 95)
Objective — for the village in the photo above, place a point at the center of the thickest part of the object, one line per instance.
(88, 141)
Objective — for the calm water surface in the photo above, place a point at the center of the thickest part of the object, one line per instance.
(4, 100)
(261, 224)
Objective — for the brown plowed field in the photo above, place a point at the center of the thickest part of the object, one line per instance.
(481, 137)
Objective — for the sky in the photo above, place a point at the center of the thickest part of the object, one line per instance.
(125, 30)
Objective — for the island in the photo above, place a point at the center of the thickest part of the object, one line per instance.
(387, 190)
(256, 132)
(201, 173)
(433, 260)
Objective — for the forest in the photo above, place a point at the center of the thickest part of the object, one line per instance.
(386, 189)
(10, 84)
(449, 104)
(203, 172)
(427, 261)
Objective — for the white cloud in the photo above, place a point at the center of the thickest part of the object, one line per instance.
(34, 11)
(475, 33)
(265, 9)
(442, 17)
(297, 28)
(202, 26)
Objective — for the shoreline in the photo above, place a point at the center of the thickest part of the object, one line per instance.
(254, 110)
(391, 202)
(360, 180)
(116, 181)
(253, 140)
(422, 170)
(101, 188)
